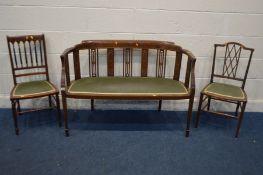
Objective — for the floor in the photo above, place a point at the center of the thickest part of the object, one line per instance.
(129, 142)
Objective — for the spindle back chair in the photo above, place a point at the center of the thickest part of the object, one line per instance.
(30, 73)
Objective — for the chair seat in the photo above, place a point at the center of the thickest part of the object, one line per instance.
(33, 89)
(127, 86)
(225, 91)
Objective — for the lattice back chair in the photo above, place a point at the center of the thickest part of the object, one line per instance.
(234, 54)
(30, 73)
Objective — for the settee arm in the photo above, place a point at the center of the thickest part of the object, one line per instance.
(192, 59)
(64, 82)
(192, 85)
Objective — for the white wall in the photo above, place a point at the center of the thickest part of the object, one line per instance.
(195, 25)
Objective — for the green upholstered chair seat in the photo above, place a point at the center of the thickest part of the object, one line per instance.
(32, 88)
(225, 91)
(127, 86)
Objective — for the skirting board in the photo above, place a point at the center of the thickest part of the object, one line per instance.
(169, 105)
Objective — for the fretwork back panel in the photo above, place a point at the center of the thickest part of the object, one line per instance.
(161, 63)
(131, 59)
(93, 62)
(231, 60)
(127, 62)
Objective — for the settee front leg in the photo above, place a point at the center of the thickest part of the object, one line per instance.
(58, 110)
(92, 104)
(189, 116)
(13, 103)
(65, 111)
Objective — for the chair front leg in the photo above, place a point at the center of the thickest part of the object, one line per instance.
(240, 118)
(13, 103)
(199, 110)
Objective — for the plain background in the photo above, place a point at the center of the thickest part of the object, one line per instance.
(195, 25)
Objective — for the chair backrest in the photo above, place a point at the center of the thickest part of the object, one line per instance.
(28, 56)
(233, 52)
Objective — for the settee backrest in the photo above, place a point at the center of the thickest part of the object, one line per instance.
(128, 58)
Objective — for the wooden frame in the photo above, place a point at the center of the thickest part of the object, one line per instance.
(230, 66)
(128, 45)
(28, 53)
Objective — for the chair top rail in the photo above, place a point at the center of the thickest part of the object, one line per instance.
(25, 38)
(241, 45)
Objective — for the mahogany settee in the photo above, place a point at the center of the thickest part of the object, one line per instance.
(127, 70)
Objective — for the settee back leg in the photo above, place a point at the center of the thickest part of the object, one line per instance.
(92, 104)
(50, 101)
(65, 111)
(160, 105)
(189, 117)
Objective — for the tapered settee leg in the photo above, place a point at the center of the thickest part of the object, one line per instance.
(189, 116)
(13, 103)
(65, 111)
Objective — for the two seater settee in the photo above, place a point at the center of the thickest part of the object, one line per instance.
(127, 70)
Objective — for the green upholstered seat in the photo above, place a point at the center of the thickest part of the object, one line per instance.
(225, 91)
(32, 88)
(127, 86)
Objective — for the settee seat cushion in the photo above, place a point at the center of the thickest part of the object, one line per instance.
(127, 86)
(223, 90)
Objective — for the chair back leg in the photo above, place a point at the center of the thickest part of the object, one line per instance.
(208, 103)
(50, 101)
